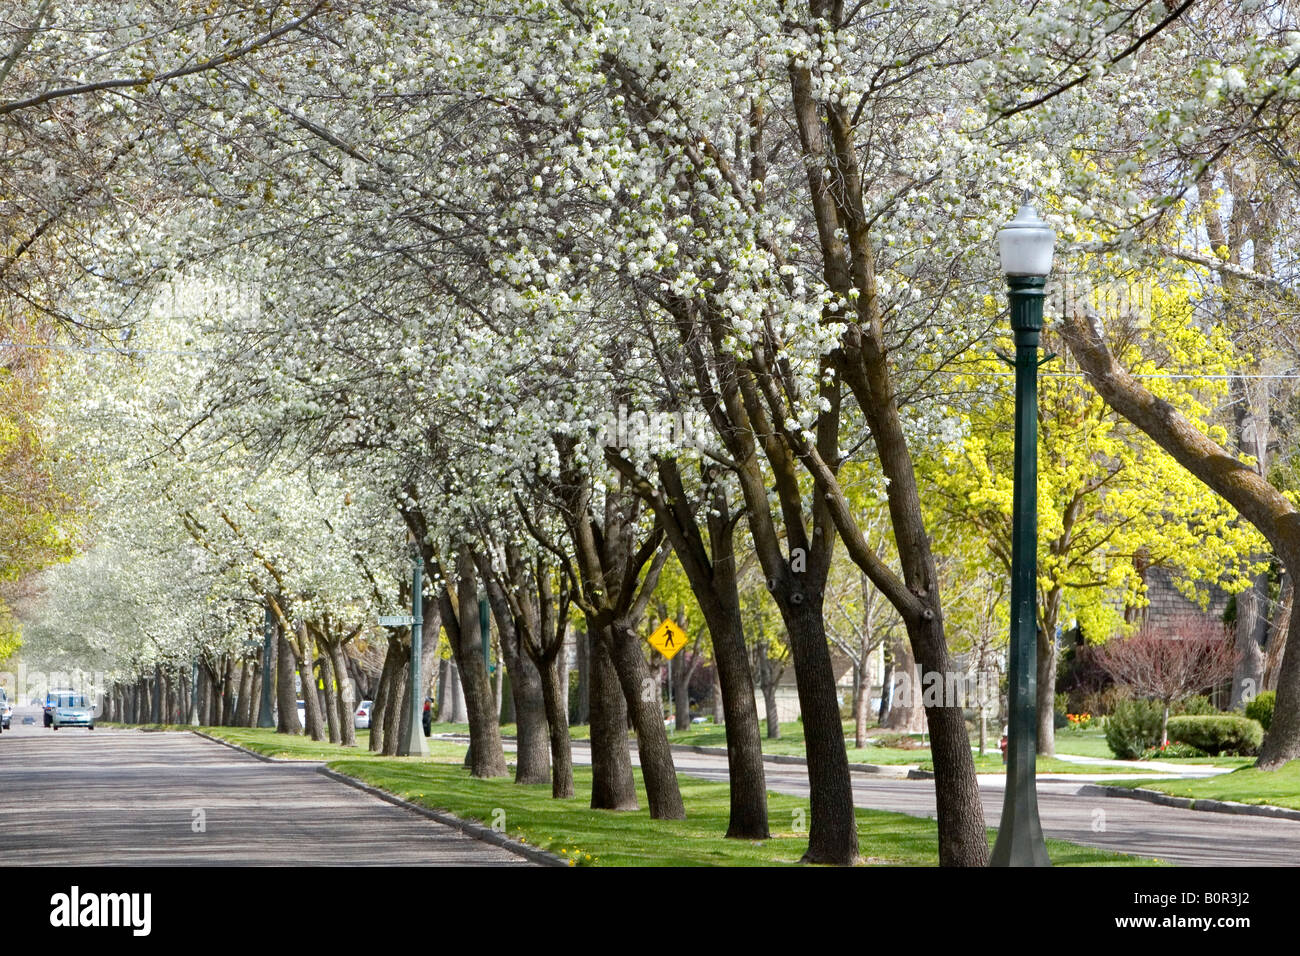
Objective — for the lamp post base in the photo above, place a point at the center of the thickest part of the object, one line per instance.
(1020, 840)
(414, 745)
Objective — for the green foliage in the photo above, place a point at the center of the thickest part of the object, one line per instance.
(1134, 727)
(1261, 708)
(1106, 492)
(1173, 751)
(1218, 734)
(1195, 705)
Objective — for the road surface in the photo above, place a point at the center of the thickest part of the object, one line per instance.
(122, 797)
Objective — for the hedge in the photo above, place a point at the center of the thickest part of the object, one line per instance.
(1220, 734)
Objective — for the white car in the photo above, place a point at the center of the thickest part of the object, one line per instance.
(361, 719)
(72, 710)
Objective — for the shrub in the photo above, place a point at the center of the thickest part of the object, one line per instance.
(1261, 708)
(1102, 702)
(1173, 750)
(1218, 734)
(898, 742)
(1198, 704)
(1133, 727)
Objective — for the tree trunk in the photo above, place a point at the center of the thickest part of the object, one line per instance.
(1046, 693)
(243, 704)
(905, 712)
(833, 833)
(556, 706)
(487, 759)
(331, 698)
(229, 688)
(1282, 742)
(772, 710)
(215, 695)
(719, 712)
(886, 690)
(562, 665)
(1277, 634)
(255, 693)
(767, 681)
(1252, 625)
(307, 673)
(201, 692)
(582, 714)
(347, 701)
(285, 695)
(458, 713)
(861, 692)
(432, 613)
(399, 679)
(612, 787)
(532, 756)
(657, 768)
(747, 818)
(681, 681)
(380, 705)
(499, 704)
(444, 691)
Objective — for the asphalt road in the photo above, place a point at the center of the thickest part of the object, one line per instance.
(121, 797)
(1183, 837)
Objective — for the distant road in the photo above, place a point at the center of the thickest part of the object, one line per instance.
(121, 797)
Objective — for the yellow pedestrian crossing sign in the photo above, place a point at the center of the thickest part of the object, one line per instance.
(668, 638)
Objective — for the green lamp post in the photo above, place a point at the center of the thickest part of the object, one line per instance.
(414, 745)
(265, 718)
(1025, 245)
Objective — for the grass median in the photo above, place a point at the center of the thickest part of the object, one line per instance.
(1278, 788)
(573, 831)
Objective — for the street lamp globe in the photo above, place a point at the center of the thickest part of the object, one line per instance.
(1025, 244)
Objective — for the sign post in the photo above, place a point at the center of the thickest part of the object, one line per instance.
(668, 639)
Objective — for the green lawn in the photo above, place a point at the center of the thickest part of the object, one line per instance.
(1279, 788)
(1083, 743)
(631, 838)
(571, 829)
(1092, 743)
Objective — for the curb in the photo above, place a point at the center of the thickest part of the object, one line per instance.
(1188, 803)
(474, 830)
(253, 753)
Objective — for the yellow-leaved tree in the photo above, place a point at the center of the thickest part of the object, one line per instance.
(1111, 504)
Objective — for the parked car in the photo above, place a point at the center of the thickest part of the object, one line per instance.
(6, 710)
(361, 719)
(302, 714)
(73, 710)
